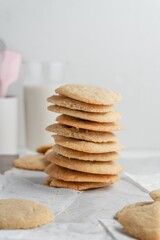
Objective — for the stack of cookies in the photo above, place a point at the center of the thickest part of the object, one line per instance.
(85, 145)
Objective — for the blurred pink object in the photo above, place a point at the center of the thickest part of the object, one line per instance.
(9, 70)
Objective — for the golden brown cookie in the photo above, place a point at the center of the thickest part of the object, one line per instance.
(82, 134)
(131, 206)
(85, 156)
(77, 185)
(85, 146)
(90, 125)
(66, 174)
(109, 167)
(63, 101)
(30, 162)
(23, 214)
(91, 116)
(44, 148)
(141, 220)
(89, 94)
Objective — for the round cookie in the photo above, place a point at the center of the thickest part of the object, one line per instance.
(65, 174)
(141, 220)
(91, 116)
(80, 186)
(85, 146)
(63, 101)
(89, 94)
(89, 125)
(82, 134)
(30, 162)
(23, 214)
(44, 148)
(85, 156)
(109, 167)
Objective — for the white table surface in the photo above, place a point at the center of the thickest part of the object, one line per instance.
(81, 215)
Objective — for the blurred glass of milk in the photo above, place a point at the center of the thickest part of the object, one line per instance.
(40, 81)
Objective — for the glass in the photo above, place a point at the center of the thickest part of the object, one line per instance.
(40, 81)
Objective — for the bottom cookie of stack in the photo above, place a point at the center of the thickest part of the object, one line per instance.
(74, 185)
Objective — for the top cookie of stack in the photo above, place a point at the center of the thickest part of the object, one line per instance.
(86, 146)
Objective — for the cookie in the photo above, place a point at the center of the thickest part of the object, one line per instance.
(77, 185)
(30, 162)
(85, 156)
(78, 105)
(131, 206)
(141, 220)
(91, 116)
(42, 149)
(89, 125)
(85, 146)
(89, 94)
(82, 134)
(65, 174)
(155, 195)
(23, 214)
(109, 167)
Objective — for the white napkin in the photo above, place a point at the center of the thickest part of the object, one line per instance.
(58, 231)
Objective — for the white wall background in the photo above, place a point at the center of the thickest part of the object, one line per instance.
(113, 44)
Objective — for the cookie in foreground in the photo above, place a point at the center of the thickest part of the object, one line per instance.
(142, 219)
(23, 214)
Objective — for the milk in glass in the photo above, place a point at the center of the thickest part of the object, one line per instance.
(41, 79)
